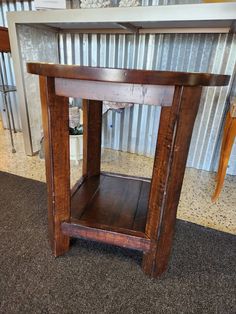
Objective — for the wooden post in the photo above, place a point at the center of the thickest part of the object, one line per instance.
(174, 137)
(92, 119)
(55, 115)
(229, 135)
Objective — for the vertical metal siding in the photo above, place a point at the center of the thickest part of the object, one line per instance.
(134, 129)
(12, 99)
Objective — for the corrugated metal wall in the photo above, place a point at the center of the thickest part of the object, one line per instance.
(134, 129)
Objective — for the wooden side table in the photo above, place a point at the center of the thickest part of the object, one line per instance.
(229, 136)
(130, 212)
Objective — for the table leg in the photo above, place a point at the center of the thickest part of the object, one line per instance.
(173, 142)
(92, 126)
(226, 147)
(226, 128)
(55, 114)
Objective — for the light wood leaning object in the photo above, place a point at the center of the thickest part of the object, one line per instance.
(130, 212)
(5, 88)
(228, 138)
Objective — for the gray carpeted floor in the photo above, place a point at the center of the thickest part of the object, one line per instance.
(95, 278)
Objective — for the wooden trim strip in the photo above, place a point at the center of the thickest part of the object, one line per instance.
(95, 225)
(118, 92)
(119, 175)
(85, 231)
(148, 77)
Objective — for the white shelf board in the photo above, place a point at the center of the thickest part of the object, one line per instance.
(208, 15)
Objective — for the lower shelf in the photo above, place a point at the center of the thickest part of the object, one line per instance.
(110, 209)
(113, 201)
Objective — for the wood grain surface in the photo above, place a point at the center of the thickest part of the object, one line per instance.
(127, 76)
(4, 40)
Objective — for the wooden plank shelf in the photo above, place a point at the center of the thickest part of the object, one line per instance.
(94, 209)
(94, 202)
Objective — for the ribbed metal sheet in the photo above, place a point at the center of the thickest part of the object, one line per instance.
(8, 78)
(134, 129)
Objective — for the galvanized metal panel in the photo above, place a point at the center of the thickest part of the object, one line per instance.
(8, 78)
(47, 43)
(134, 129)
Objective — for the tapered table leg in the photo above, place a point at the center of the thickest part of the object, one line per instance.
(175, 129)
(226, 147)
(225, 132)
